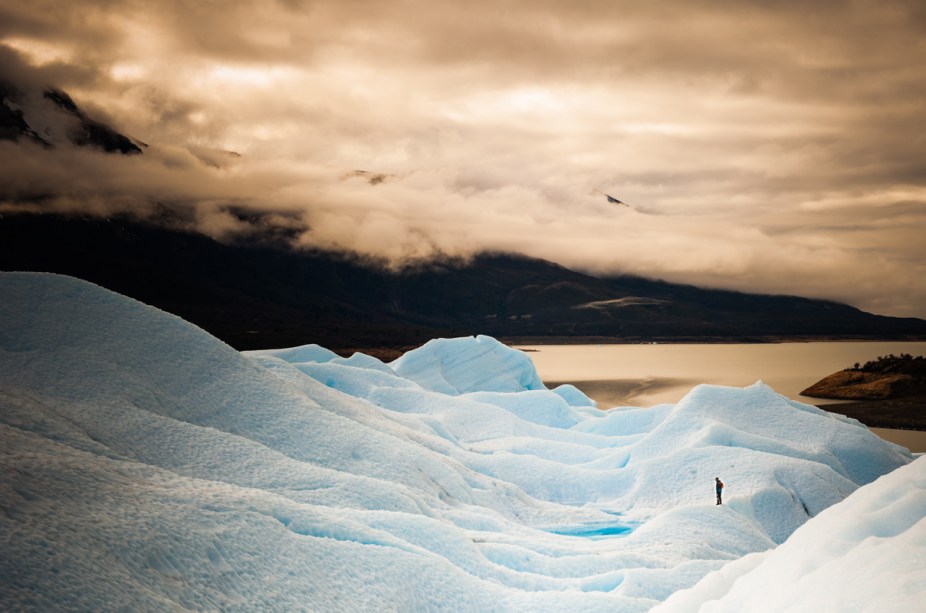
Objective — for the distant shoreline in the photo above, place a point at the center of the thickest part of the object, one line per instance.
(387, 353)
(518, 341)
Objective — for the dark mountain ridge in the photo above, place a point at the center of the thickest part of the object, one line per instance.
(258, 294)
(82, 130)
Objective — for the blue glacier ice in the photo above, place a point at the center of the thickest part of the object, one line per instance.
(148, 466)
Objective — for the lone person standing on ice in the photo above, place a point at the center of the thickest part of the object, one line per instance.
(718, 485)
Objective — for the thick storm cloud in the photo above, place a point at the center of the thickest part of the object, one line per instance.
(762, 146)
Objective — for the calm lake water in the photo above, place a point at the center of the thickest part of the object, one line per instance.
(645, 375)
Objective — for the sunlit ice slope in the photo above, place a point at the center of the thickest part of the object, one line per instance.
(864, 554)
(148, 466)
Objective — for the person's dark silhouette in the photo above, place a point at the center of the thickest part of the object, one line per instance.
(718, 485)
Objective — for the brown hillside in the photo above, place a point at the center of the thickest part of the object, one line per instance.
(858, 385)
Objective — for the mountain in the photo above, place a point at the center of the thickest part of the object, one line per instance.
(50, 117)
(259, 294)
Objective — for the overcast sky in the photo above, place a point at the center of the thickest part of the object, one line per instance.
(774, 146)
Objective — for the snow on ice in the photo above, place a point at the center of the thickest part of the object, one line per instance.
(148, 466)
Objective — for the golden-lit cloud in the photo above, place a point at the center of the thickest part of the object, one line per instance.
(762, 146)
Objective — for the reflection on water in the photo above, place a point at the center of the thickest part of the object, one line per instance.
(648, 391)
(646, 375)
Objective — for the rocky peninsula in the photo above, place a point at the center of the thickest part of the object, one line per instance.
(889, 392)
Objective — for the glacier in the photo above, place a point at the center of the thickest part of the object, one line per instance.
(148, 466)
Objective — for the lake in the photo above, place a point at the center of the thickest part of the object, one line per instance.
(645, 375)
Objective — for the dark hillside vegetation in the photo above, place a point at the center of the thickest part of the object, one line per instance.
(903, 364)
(258, 293)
